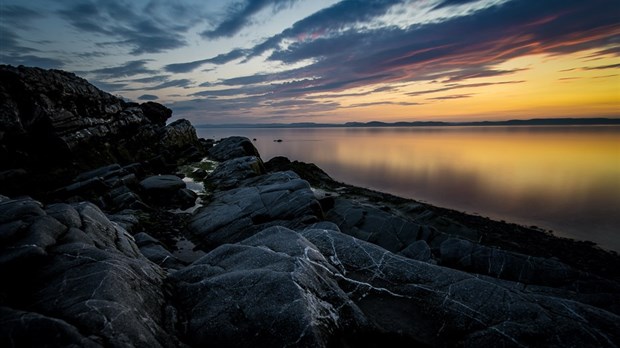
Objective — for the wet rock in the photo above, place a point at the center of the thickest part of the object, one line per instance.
(233, 147)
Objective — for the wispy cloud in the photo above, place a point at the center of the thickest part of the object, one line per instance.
(129, 26)
(450, 87)
(449, 97)
(239, 15)
(131, 68)
(362, 105)
(602, 67)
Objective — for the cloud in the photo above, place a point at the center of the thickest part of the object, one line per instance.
(151, 79)
(341, 50)
(109, 87)
(148, 97)
(239, 15)
(184, 83)
(448, 3)
(449, 97)
(18, 16)
(602, 67)
(363, 105)
(457, 49)
(219, 59)
(128, 26)
(131, 68)
(450, 87)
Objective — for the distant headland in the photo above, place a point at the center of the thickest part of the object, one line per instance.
(528, 122)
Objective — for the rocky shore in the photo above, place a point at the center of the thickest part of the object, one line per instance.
(117, 229)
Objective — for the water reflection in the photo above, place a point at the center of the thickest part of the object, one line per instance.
(562, 178)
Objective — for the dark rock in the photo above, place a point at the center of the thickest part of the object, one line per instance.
(231, 216)
(78, 282)
(127, 200)
(471, 257)
(233, 147)
(179, 135)
(186, 198)
(307, 171)
(417, 250)
(127, 219)
(155, 112)
(229, 174)
(161, 189)
(101, 172)
(299, 303)
(425, 304)
(155, 251)
(28, 329)
(374, 225)
(19, 209)
(56, 125)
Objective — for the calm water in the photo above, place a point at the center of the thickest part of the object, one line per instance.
(566, 179)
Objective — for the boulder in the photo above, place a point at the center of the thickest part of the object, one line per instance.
(273, 199)
(161, 189)
(233, 147)
(229, 174)
(307, 171)
(273, 289)
(179, 135)
(156, 113)
(71, 277)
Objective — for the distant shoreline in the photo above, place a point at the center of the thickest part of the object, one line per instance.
(529, 122)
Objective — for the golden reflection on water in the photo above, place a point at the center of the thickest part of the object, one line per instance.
(563, 178)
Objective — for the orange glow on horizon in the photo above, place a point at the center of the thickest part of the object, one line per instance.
(542, 86)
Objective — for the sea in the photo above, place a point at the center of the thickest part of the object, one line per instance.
(565, 179)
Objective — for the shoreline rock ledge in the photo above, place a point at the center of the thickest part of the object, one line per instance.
(121, 251)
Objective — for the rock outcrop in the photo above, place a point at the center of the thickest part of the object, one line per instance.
(120, 252)
(55, 125)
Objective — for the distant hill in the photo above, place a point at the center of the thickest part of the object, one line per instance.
(530, 122)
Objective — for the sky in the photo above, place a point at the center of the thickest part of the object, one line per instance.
(328, 61)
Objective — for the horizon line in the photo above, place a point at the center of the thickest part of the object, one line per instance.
(353, 124)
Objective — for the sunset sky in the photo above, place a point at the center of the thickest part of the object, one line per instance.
(263, 61)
